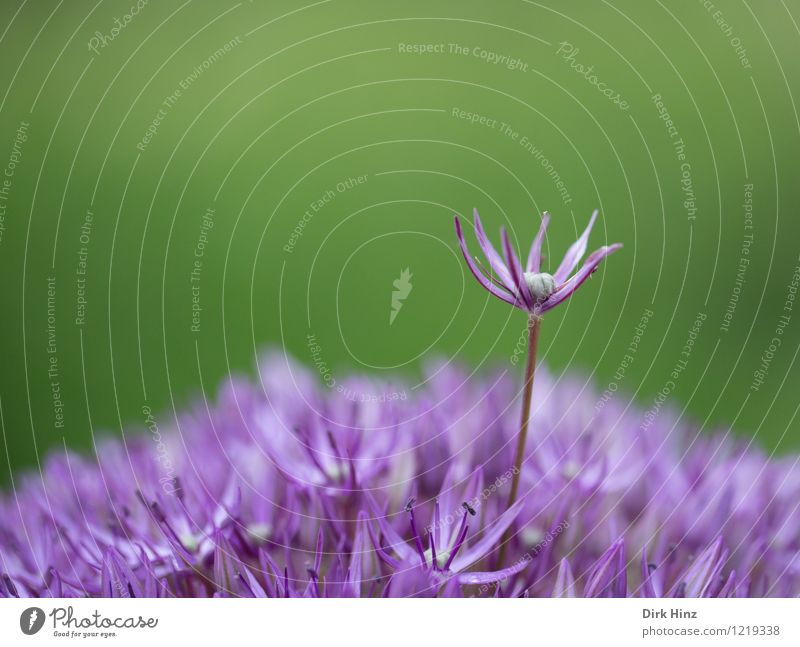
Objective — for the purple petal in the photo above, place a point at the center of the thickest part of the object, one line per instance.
(226, 566)
(460, 537)
(534, 263)
(412, 580)
(453, 492)
(495, 262)
(491, 536)
(313, 581)
(574, 253)
(703, 572)
(251, 583)
(487, 577)
(515, 267)
(566, 289)
(395, 540)
(355, 572)
(379, 549)
(647, 587)
(729, 588)
(608, 577)
(486, 283)
(565, 581)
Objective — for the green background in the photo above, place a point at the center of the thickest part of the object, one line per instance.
(309, 96)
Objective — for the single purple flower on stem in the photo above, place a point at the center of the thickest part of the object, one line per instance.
(535, 292)
(528, 288)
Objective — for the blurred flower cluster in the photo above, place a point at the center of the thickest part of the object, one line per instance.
(285, 487)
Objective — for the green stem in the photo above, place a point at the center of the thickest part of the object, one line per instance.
(522, 435)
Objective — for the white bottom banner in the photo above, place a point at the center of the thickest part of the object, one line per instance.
(230, 622)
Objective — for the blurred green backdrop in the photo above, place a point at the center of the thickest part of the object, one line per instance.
(198, 136)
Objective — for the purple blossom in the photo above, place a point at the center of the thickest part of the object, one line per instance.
(447, 552)
(286, 487)
(528, 288)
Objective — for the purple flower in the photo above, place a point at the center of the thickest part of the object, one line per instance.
(232, 501)
(529, 288)
(442, 547)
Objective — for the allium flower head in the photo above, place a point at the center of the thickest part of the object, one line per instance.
(528, 288)
(287, 488)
